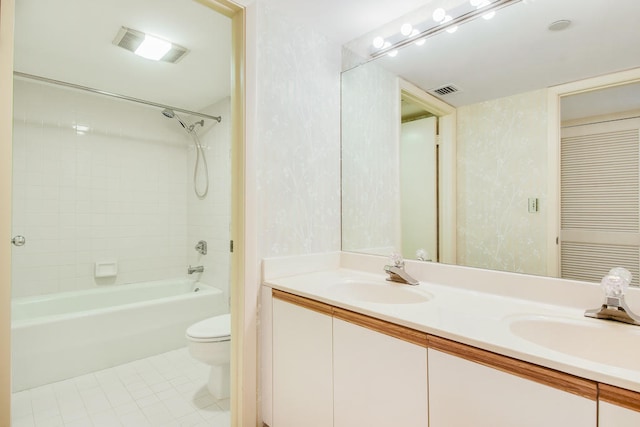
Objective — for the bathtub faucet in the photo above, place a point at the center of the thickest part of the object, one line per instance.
(196, 269)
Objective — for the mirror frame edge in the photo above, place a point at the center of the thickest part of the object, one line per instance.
(447, 122)
(554, 96)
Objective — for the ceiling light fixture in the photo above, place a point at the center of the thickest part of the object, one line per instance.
(153, 48)
(378, 42)
(148, 46)
(481, 8)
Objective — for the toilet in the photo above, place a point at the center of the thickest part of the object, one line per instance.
(209, 341)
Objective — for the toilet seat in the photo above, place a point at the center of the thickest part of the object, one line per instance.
(213, 329)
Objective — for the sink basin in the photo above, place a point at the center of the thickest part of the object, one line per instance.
(381, 292)
(599, 341)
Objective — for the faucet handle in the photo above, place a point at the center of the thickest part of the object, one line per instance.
(616, 282)
(396, 259)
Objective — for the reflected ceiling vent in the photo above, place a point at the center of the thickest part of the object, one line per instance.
(148, 46)
(445, 90)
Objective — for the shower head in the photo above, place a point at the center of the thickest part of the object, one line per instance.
(172, 115)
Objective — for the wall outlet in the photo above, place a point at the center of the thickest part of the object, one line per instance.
(533, 205)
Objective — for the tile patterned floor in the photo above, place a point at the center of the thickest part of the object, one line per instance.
(164, 390)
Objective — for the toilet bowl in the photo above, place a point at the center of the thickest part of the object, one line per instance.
(209, 341)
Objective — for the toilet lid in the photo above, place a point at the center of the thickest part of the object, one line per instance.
(211, 328)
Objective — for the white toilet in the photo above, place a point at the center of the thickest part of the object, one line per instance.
(210, 342)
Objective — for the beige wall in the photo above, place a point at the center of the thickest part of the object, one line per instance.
(502, 161)
(6, 88)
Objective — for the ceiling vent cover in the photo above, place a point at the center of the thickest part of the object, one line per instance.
(130, 39)
(445, 90)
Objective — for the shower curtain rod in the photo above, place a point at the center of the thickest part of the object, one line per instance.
(114, 95)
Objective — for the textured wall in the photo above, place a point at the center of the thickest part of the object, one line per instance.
(502, 161)
(371, 179)
(298, 138)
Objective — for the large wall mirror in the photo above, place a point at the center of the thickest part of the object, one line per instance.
(490, 155)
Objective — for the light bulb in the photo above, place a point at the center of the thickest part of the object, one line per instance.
(393, 53)
(378, 42)
(447, 19)
(420, 42)
(484, 3)
(406, 29)
(475, 3)
(439, 14)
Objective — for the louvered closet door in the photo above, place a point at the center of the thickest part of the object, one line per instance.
(600, 221)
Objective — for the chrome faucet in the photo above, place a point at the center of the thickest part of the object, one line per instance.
(614, 306)
(196, 269)
(396, 271)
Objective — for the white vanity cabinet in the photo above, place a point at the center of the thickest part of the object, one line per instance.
(380, 373)
(618, 407)
(333, 367)
(472, 387)
(302, 365)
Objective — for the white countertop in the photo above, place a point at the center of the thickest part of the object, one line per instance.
(484, 320)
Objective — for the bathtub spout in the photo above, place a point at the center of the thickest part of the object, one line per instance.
(196, 269)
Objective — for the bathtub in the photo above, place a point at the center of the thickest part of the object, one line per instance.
(60, 336)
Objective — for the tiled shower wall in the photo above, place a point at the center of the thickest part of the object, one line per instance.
(116, 192)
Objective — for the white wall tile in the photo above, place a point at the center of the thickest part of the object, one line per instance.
(119, 192)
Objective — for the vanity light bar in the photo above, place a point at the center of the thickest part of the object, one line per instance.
(430, 32)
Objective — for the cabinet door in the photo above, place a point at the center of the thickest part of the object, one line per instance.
(618, 407)
(464, 393)
(617, 416)
(302, 367)
(379, 381)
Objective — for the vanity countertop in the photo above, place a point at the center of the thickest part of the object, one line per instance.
(555, 336)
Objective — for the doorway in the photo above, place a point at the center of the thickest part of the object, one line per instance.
(235, 104)
(438, 119)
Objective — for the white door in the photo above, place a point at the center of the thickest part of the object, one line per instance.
(418, 187)
(600, 221)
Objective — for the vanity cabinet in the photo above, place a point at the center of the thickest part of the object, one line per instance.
(618, 407)
(473, 387)
(333, 367)
(380, 379)
(302, 365)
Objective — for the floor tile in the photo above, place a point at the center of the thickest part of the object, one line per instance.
(168, 389)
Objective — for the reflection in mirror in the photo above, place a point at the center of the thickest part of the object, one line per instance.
(500, 71)
(600, 171)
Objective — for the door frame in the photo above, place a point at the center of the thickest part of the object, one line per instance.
(447, 117)
(554, 96)
(7, 10)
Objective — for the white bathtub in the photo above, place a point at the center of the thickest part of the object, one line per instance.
(60, 336)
